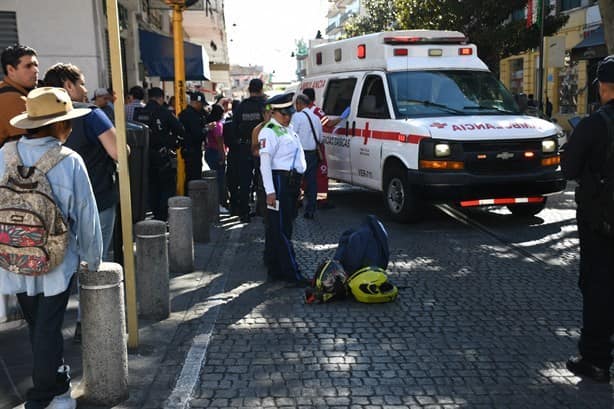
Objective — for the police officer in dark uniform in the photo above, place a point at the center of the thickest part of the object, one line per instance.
(194, 120)
(586, 159)
(282, 163)
(165, 135)
(247, 116)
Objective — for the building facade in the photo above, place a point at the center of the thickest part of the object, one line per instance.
(208, 28)
(339, 11)
(145, 40)
(570, 62)
(67, 37)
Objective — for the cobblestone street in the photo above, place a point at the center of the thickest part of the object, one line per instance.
(477, 324)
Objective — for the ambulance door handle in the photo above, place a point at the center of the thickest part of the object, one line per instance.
(353, 127)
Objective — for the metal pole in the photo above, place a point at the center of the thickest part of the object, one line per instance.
(540, 70)
(124, 179)
(180, 91)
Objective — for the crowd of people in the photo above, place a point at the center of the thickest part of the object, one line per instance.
(261, 153)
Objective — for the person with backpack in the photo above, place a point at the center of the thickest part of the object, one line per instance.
(20, 66)
(588, 157)
(40, 255)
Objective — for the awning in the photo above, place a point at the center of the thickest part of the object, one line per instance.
(158, 58)
(593, 46)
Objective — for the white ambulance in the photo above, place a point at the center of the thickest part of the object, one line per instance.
(424, 120)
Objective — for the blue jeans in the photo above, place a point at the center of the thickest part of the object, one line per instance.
(107, 223)
(311, 187)
(212, 156)
(45, 316)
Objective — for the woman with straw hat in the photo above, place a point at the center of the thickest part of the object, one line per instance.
(43, 298)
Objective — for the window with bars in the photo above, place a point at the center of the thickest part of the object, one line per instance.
(8, 31)
(569, 4)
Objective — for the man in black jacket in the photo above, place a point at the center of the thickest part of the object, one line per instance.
(165, 135)
(585, 158)
(194, 121)
(247, 116)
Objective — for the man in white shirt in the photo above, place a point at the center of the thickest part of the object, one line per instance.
(309, 130)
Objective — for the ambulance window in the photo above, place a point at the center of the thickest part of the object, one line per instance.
(338, 95)
(373, 99)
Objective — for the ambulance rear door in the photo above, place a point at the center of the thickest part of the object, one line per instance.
(371, 128)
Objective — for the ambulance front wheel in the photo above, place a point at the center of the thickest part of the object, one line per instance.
(402, 205)
(527, 209)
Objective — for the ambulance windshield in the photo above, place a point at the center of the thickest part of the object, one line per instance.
(441, 93)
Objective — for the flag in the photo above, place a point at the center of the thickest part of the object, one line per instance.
(540, 12)
(534, 12)
(529, 13)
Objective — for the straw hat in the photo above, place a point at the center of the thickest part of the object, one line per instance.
(45, 106)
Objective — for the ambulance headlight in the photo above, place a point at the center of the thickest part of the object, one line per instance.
(548, 146)
(442, 149)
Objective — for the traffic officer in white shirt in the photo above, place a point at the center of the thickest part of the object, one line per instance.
(282, 163)
(309, 130)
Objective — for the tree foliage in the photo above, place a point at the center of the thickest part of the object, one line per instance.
(606, 8)
(487, 23)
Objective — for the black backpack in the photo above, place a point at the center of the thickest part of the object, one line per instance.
(605, 189)
(365, 246)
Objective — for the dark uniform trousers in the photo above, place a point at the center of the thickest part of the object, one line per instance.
(45, 316)
(193, 163)
(279, 255)
(597, 287)
(232, 178)
(162, 186)
(246, 175)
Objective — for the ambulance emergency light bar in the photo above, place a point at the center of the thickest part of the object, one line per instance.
(401, 40)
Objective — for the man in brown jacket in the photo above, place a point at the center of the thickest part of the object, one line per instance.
(20, 67)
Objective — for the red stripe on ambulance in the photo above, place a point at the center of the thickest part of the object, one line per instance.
(375, 134)
(504, 201)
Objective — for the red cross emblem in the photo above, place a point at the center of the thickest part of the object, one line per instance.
(366, 133)
(438, 125)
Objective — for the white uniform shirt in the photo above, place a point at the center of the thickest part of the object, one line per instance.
(280, 149)
(301, 126)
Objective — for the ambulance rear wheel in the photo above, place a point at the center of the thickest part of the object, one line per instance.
(527, 209)
(402, 205)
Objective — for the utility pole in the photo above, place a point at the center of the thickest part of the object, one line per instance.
(124, 178)
(178, 7)
(540, 69)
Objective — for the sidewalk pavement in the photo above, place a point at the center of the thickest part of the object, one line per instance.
(153, 367)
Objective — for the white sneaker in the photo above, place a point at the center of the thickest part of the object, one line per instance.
(64, 401)
(223, 210)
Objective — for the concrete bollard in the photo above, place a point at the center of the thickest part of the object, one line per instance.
(181, 236)
(152, 277)
(199, 191)
(103, 325)
(213, 200)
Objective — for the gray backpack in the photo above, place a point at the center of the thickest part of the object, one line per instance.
(33, 231)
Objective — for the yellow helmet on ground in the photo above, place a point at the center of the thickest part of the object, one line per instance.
(371, 285)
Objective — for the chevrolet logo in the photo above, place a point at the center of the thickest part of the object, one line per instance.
(505, 155)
